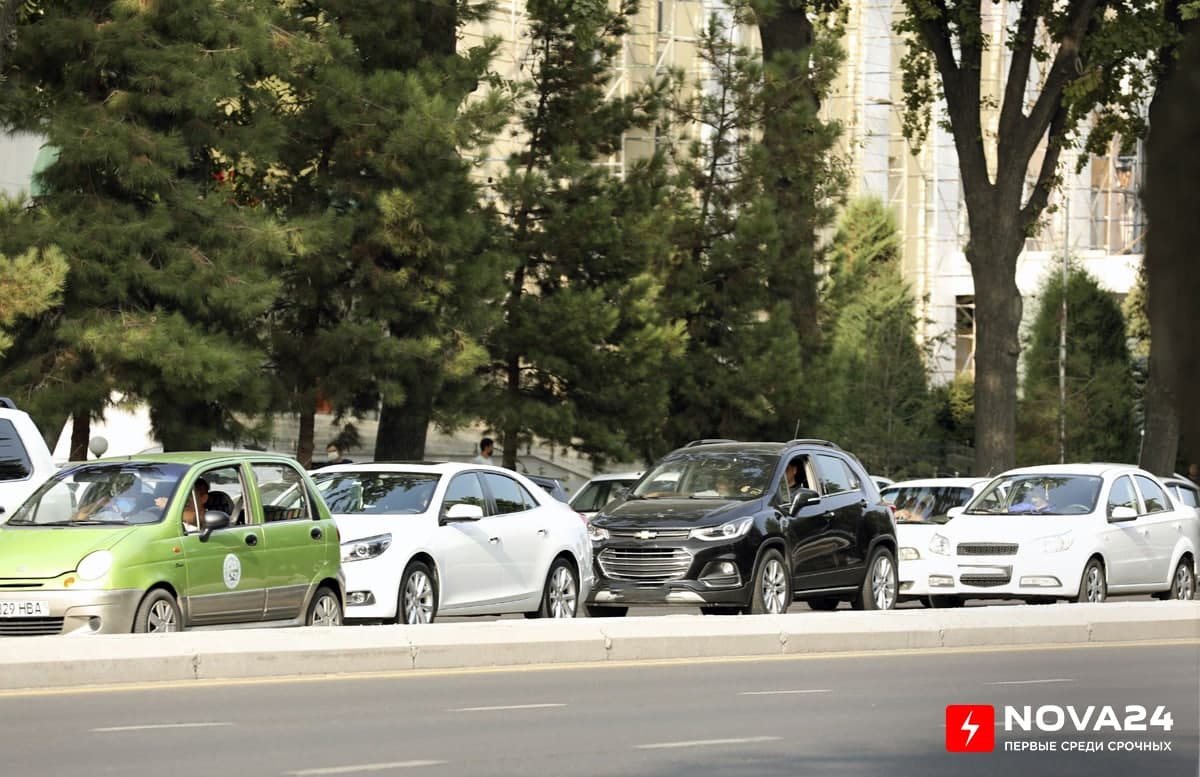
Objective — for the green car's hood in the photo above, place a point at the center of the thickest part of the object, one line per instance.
(49, 551)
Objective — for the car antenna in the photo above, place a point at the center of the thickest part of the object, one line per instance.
(796, 434)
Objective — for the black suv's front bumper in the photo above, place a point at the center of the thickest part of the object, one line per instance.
(701, 584)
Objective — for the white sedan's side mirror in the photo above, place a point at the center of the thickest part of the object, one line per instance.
(1122, 513)
(463, 512)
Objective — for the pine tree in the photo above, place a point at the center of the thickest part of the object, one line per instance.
(168, 274)
(877, 401)
(579, 341)
(30, 282)
(1100, 388)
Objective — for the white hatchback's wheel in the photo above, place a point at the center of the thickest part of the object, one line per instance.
(1092, 586)
(1183, 583)
(418, 595)
(560, 596)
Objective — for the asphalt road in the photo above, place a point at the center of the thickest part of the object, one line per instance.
(864, 714)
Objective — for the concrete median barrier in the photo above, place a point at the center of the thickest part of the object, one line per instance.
(50, 662)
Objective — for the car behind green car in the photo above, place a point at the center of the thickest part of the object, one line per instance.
(113, 546)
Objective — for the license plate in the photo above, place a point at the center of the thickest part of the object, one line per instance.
(10, 609)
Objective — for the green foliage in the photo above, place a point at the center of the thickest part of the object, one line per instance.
(1100, 387)
(169, 273)
(31, 282)
(578, 344)
(875, 400)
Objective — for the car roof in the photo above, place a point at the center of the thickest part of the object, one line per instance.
(190, 457)
(733, 446)
(937, 483)
(1176, 480)
(433, 468)
(1094, 469)
(615, 476)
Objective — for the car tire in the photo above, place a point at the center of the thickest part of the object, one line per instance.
(771, 593)
(720, 609)
(879, 585)
(157, 614)
(1183, 582)
(325, 609)
(824, 604)
(560, 594)
(1092, 585)
(606, 612)
(417, 600)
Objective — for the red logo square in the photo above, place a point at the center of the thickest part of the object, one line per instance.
(970, 728)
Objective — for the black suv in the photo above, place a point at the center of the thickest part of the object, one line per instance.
(716, 524)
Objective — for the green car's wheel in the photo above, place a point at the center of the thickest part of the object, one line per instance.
(157, 614)
(325, 609)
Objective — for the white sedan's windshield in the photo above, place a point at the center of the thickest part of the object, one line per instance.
(94, 494)
(1040, 494)
(377, 493)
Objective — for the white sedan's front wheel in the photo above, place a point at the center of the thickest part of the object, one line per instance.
(560, 596)
(417, 602)
(1183, 582)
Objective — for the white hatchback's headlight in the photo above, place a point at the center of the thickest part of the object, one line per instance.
(939, 545)
(94, 565)
(368, 547)
(726, 531)
(1056, 543)
(909, 554)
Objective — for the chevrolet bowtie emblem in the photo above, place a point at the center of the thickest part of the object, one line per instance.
(646, 535)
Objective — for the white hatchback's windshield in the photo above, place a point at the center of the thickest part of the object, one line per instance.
(708, 476)
(1040, 494)
(377, 493)
(925, 504)
(97, 494)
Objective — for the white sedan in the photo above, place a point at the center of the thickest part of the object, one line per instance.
(422, 540)
(1068, 531)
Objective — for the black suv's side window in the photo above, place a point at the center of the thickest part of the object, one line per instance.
(834, 475)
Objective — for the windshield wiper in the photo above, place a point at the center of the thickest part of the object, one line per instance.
(87, 522)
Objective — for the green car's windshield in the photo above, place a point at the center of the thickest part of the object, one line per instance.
(1039, 494)
(377, 493)
(710, 475)
(102, 494)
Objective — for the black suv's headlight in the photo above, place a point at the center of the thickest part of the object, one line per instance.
(726, 531)
(367, 547)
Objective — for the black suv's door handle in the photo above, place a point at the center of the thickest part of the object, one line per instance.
(316, 533)
(252, 540)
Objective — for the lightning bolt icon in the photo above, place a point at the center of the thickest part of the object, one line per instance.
(970, 728)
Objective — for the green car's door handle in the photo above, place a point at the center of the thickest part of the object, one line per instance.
(316, 533)
(252, 540)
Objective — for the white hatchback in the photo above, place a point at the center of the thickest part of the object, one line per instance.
(1068, 531)
(423, 540)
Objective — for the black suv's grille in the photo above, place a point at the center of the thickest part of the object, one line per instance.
(644, 565)
(649, 534)
(987, 549)
(30, 627)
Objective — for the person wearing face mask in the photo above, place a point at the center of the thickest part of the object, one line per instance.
(334, 456)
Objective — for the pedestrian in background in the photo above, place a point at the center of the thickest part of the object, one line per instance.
(486, 446)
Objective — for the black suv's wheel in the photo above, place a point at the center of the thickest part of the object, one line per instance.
(878, 590)
(772, 590)
(606, 612)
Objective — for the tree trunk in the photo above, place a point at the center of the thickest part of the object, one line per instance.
(993, 258)
(403, 429)
(1160, 440)
(308, 427)
(81, 431)
(1172, 169)
(510, 434)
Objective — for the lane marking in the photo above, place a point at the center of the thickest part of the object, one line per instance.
(507, 707)
(155, 726)
(706, 742)
(1033, 682)
(362, 768)
(419, 674)
(781, 693)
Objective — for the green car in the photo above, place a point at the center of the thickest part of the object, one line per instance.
(114, 546)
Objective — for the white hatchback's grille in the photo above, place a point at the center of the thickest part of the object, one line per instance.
(644, 565)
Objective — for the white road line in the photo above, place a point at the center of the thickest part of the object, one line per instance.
(362, 768)
(508, 707)
(151, 727)
(1033, 682)
(703, 742)
(781, 693)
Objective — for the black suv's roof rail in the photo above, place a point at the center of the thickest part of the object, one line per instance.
(814, 441)
(7, 403)
(709, 441)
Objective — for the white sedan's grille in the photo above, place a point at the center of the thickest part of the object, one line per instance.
(644, 565)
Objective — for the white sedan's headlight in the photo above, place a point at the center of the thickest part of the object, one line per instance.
(939, 545)
(909, 554)
(94, 565)
(597, 533)
(1056, 543)
(367, 547)
(726, 531)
